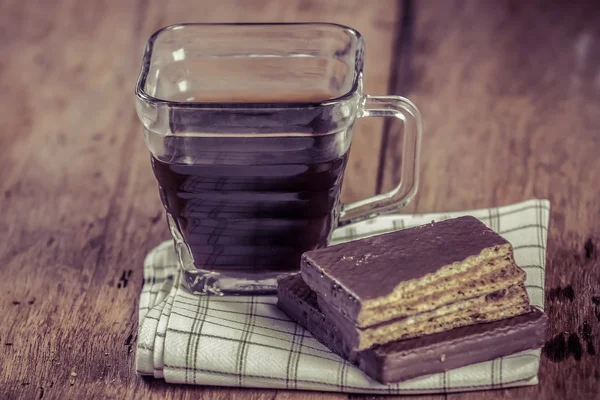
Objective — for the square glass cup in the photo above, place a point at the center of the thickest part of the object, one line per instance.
(249, 128)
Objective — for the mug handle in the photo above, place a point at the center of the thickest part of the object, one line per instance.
(401, 195)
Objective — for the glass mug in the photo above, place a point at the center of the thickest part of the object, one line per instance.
(249, 128)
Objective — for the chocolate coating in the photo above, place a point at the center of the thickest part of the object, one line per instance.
(405, 359)
(373, 267)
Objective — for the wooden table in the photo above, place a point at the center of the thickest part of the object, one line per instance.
(510, 93)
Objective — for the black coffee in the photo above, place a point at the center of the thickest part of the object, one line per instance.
(252, 203)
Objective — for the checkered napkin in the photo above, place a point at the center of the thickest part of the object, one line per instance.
(248, 342)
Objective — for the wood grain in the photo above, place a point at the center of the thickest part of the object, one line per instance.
(510, 93)
(80, 204)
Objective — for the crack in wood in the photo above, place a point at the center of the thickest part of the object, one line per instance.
(398, 75)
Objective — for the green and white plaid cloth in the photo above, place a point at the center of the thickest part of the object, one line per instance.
(248, 342)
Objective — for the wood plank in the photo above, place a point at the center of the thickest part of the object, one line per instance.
(63, 135)
(510, 93)
(80, 202)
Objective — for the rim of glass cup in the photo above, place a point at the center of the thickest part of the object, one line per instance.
(142, 95)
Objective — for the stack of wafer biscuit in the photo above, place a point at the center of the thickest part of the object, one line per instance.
(452, 285)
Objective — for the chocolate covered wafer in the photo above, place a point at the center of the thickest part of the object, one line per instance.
(414, 271)
(405, 359)
(502, 304)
